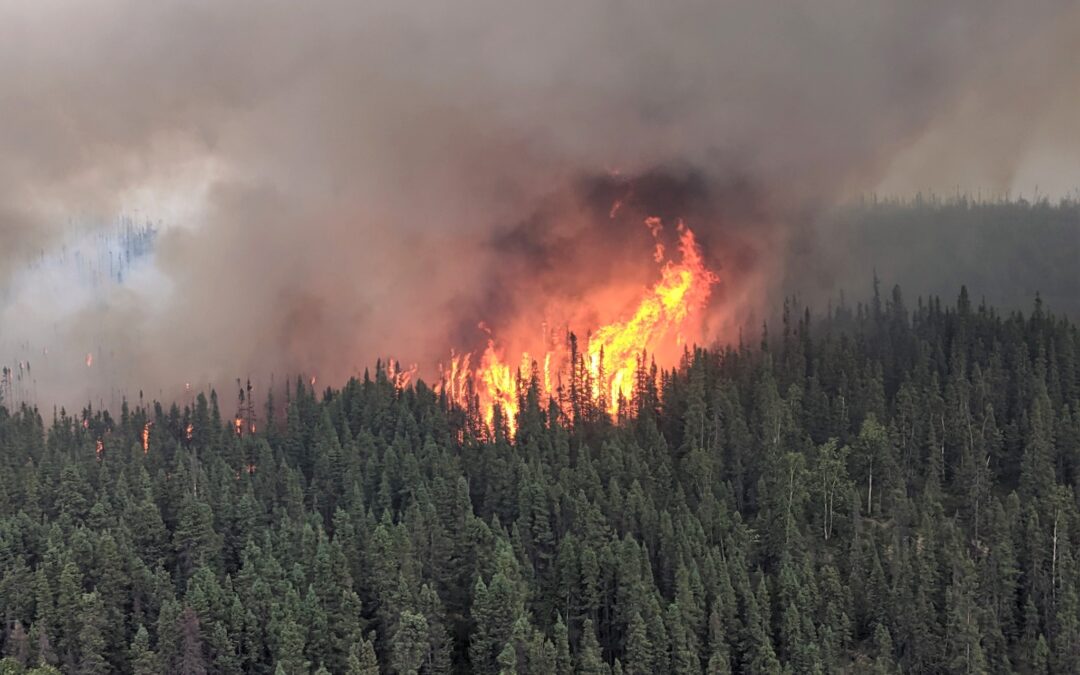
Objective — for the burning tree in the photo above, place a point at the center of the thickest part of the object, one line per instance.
(601, 373)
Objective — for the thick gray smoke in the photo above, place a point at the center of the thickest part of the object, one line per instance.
(336, 180)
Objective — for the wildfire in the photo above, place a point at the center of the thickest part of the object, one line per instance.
(604, 365)
(398, 374)
(146, 437)
(89, 359)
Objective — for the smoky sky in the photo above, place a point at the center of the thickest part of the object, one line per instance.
(341, 181)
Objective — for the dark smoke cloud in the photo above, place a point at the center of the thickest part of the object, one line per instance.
(592, 236)
(345, 177)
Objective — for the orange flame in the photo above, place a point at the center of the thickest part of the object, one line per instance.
(607, 362)
(99, 448)
(398, 375)
(146, 437)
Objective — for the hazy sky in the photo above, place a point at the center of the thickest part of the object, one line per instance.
(334, 174)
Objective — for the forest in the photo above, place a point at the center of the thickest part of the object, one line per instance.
(1003, 249)
(885, 487)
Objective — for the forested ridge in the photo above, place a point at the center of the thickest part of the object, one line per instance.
(885, 488)
(1002, 249)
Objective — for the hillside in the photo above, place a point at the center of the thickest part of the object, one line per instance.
(887, 487)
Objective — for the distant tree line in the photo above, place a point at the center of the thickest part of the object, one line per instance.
(1004, 250)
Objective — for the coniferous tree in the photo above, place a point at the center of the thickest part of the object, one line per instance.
(142, 658)
(589, 660)
(362, 659)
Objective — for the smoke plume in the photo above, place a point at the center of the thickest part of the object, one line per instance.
(347, 180)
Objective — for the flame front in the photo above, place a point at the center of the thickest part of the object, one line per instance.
(604, 366)
(399, 375)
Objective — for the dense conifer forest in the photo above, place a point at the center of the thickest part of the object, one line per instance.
(887, 488)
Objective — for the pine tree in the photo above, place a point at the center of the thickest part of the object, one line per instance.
(965, 653)
(410, 643)
(589, 660)
(143, 660)
(683, 655)
(91, 643)
(761, 658)
(1040, 662)
(719, 654)
(496, 607)
(194, 539)
(563, 664)
(362, 660)
(883, 651)
(69, 606)
(639, 657)
(507, 660)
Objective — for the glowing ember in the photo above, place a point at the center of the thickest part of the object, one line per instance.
(603, 367)
(239, 424)
(189, 430)
(99, 448)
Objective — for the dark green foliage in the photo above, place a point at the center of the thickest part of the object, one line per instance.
(883, 490)
(142, 661)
